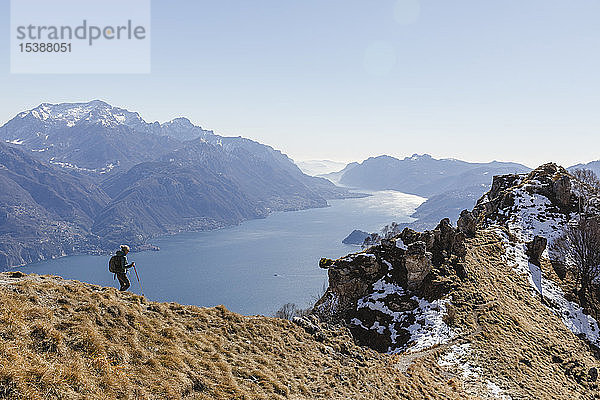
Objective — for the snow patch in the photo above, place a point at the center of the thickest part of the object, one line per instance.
(458, 357)
(15, 141)
(570, 313)
(534, 214)
(428, 328)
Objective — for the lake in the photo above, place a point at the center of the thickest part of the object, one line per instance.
(251, 268)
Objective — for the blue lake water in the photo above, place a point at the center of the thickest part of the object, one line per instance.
(252, 268)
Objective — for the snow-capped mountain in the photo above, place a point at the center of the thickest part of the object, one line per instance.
(71, 114)
(97, 112)
(95, 137)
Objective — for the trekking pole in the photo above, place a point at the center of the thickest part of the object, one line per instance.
(138, 278)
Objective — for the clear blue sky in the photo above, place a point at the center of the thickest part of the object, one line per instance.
(346, 79)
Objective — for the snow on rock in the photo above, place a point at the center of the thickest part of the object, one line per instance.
(571, 314)
(107, 168)
(458, 358)
(535, 214)
(70, 114)
(414, 329)
(429, 328)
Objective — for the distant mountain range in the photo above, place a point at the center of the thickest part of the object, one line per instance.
(593, 165)
(319, 167)
(422, 175)
(450, 185)
(85, 177)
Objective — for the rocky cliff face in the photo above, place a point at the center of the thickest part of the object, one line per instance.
(478, 297)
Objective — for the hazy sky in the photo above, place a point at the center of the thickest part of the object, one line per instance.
(477, 80)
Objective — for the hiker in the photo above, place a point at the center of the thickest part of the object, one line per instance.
(118, 265)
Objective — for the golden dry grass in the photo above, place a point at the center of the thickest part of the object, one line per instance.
(68, 340)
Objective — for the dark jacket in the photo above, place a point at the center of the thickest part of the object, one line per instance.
(122, 266)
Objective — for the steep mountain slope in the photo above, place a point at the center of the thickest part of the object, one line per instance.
(477, 299)
(98, 139)
(92, 137)
(200, 186)
(44, 212)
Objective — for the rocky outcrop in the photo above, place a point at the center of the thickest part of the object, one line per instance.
(548, 180)
(418, 264)
(467, 224)
(351, 278)
(443, 242)
(562, 190)
(535, 248)
(385, 292)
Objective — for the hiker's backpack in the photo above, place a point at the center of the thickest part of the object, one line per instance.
(114, 264)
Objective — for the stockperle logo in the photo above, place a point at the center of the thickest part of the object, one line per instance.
(66, 36)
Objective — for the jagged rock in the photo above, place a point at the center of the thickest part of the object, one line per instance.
(467, 223)
(388, 242)
(350, 278)
(443, 242)
(535, 248)
(562, 190)
(374, 291)
(409, 236)
(548, 180)
(501, 183)
(418, 264)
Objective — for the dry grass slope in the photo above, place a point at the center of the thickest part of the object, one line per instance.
(516, 341)
(64, 339)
